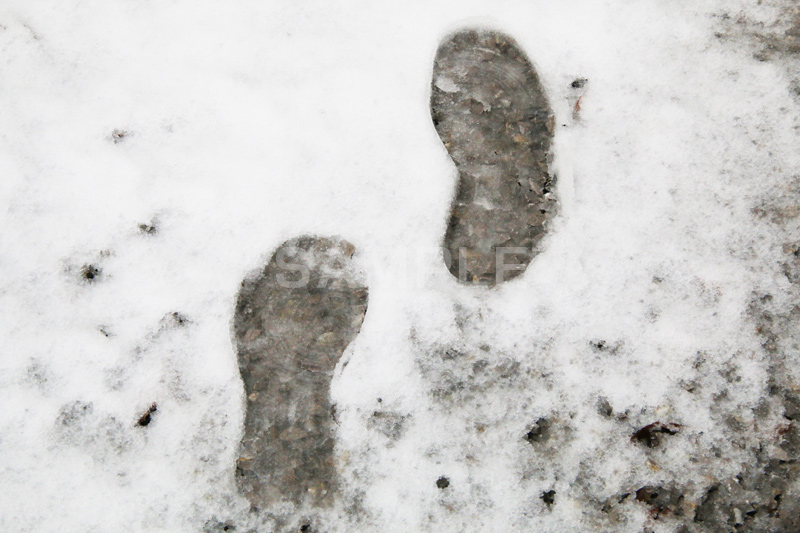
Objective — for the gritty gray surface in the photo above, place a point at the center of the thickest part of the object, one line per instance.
(489, 110)
(492, 116)
(765, 494)
(494, 119)
(293, 321)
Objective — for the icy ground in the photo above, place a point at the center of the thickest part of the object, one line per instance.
(641, 375)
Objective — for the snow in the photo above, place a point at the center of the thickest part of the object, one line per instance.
(249, 123)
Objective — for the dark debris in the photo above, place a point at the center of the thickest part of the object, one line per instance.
(91, 273)
(146, 418)
(540, 432)
(650, 435)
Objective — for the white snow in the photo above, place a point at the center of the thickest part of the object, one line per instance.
(252, 122)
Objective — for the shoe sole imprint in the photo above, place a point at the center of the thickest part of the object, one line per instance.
(492, 115)
(293, 321)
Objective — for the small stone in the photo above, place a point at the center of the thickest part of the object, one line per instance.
(738, 519)
(778, 453)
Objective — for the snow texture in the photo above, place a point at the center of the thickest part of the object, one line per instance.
(152, 153)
